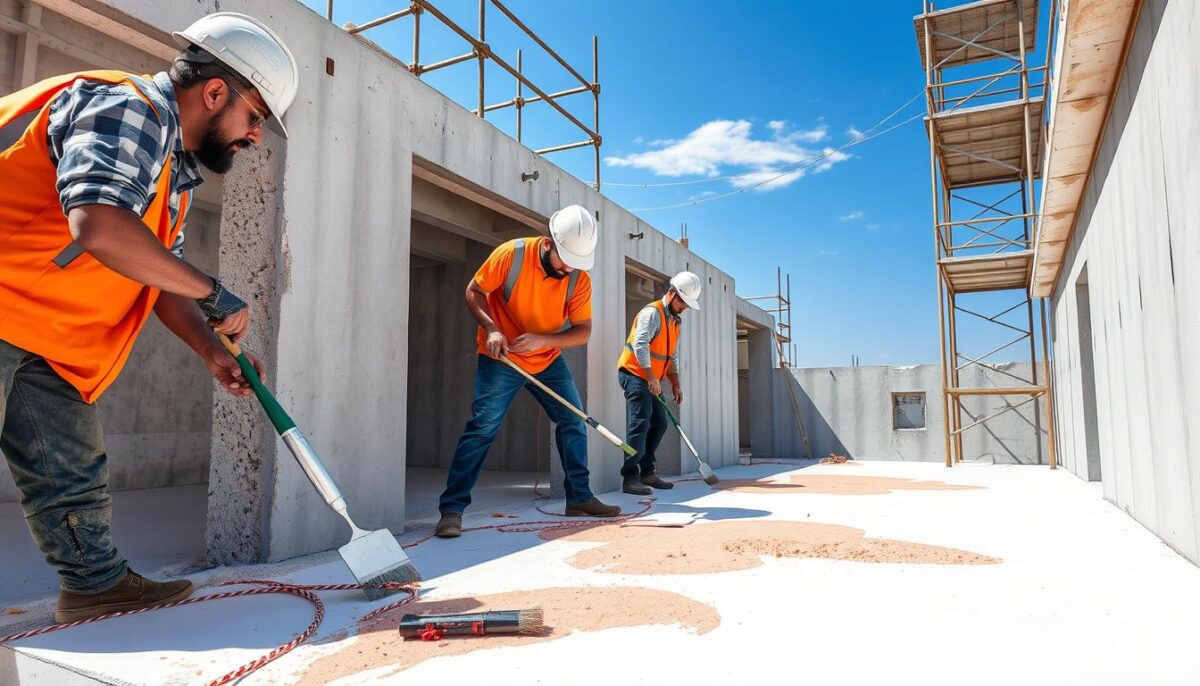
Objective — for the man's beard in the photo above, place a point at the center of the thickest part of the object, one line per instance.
(215, 153)
(549, 267)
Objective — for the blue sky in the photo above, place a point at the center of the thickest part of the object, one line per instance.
(704, 88)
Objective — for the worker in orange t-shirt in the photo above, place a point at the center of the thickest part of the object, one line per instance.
(532, 297)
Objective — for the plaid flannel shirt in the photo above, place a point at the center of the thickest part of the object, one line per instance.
(109, 146)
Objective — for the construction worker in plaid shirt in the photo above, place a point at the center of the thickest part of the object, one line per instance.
(98, 170)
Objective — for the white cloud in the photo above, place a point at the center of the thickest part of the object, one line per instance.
(810, 136)
(723, 147)
(701, 195)
(854, 133)
(872, 227)
(856, 214)
(638, 140)
(827, 253)
(770, 179)
(831, 156)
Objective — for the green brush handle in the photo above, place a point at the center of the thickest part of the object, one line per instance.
(274, 410)
(678, 428)
(669, 412)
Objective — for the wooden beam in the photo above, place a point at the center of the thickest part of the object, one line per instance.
(115, 24)
(25, 64)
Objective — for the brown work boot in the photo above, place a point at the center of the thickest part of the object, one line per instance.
(134, 592)
(592, 508)
(630, 484)
(449, 526)
(655, 482)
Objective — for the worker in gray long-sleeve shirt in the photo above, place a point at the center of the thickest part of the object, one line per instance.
(652, 353)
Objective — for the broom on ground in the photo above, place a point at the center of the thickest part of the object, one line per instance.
(706, 472)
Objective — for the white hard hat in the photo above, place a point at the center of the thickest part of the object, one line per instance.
(687, 285)
(574, 232)
(248, 48)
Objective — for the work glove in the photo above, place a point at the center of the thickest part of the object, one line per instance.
(220, 303)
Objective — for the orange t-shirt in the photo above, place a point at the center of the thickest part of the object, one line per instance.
(537, 304)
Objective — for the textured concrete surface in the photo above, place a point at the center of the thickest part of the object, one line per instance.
(1083, 595)
(1125, 304)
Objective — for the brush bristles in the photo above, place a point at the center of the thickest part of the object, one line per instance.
(531, 621)
(712, 480)
(402, 574)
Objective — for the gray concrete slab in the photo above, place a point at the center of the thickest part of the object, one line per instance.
(158, 530)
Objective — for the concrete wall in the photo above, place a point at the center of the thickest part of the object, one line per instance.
(1133, 270)
(848, 410)
(325, 259)
(157, 416)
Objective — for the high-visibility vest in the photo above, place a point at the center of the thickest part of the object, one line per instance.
(57, 301)
(662, 346)
(530, 302)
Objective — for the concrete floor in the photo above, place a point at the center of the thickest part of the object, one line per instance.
(161, 530)
(496, 490)
(1084, 595)
(158, 530)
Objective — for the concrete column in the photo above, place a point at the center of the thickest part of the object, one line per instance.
(25, 57)
(253, 264)
(763, 377)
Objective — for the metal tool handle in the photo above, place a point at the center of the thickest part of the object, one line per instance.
(533, 379)
(677, 427)
(612, 438)
(315, 470)
(292, 437)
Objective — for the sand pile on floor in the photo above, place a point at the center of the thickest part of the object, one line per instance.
(837, 484)
(704, 548)
(567, 610)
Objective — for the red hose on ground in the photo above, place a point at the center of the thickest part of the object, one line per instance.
(307, 591)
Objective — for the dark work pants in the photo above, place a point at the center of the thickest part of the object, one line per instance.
(645, 424)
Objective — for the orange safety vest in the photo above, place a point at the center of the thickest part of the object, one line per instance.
(662, 347)
(531, 302)
(57, 301)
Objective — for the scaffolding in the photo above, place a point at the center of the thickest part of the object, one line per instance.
(481, 52)
(779, 306)
(986, 142)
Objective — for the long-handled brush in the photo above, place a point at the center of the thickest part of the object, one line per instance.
(374, 557)
(434, 627)
(706, 472)
(612, 437)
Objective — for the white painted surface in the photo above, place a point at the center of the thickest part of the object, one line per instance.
(1084, 596)
(1138, 238)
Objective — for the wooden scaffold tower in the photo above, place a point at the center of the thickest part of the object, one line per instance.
(984, 122)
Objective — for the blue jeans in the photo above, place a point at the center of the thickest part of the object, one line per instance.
(495, 387)
(55, 450)
(646, 422)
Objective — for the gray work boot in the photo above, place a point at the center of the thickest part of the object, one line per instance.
(654, 481)
(449, 526)
(134, 592)
(591, 508)
(630, 484)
